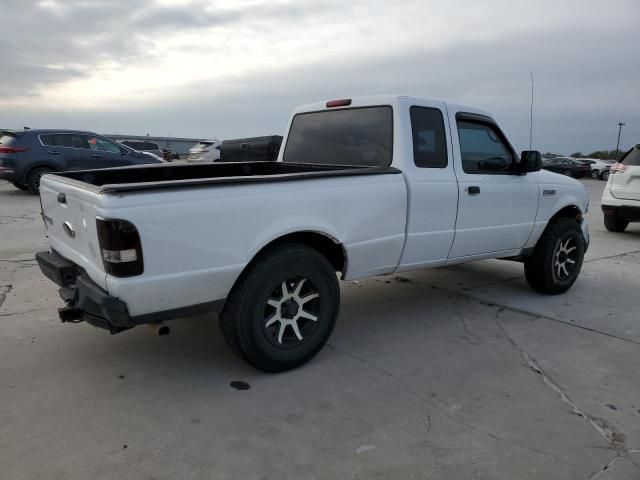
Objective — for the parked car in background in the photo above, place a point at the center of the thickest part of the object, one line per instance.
(365, 186)
(27, 155)
(150, 154)
(566, 166)
(599, 168)
(143, 146)
(621, 196)
(205, 151)
(255, 149)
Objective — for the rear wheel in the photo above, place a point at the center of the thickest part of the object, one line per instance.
(20, 186)
(566, 172)
(614, 224)
(595, 174)
(33, 179)
(557, 258)
(283, 308)
(605, 175)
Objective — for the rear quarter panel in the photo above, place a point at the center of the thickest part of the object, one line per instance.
(197, 241)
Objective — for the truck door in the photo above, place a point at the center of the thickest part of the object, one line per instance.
(497, 207)
(431, 184)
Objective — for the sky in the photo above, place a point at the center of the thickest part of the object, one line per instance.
(225, 69)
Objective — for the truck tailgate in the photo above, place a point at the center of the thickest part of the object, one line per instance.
(70, 217)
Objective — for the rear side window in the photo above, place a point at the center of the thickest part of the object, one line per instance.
(353, 136)
(484, 149)
(67, 140)
(7, 139)
(429, 140)
(632, 158)
(202, 145)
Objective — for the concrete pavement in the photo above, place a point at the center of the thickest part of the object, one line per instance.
(452, 373)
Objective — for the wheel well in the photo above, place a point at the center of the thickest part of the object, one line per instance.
(329, 248)
(570, 211)
(41, 165)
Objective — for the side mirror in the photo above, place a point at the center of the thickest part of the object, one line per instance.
(530, 161)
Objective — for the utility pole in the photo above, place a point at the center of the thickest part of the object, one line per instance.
(531, 113)
(620, 125)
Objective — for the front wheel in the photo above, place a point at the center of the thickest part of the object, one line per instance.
(283, 308)
(595, 174)
(567, 173)
(557, 258)
(605, 175)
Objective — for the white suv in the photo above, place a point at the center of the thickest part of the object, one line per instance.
(205, 151)
(621, 196)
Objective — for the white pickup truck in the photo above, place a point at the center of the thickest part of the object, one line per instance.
(364, 186)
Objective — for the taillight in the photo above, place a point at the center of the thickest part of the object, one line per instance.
(120, 247)
(618, 168)
(13, 149)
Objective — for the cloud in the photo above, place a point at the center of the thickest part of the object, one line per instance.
(234, 69)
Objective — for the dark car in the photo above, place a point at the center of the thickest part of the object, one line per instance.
(256, 149)
(27, 155)
(143, 146)
(566, 166)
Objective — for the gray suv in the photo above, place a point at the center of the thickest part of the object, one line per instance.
(27, 155)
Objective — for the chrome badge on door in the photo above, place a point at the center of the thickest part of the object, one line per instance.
(68, 229)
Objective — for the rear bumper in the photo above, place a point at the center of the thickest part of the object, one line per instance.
(624, 212)
(96, 306)
(79, 292)
(8, 174)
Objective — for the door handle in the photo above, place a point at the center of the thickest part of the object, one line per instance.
(53, 152)
(473, 190)
(244, 145)
(96, 156)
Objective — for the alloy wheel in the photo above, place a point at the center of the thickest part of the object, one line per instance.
(565, 258)
(291, 313)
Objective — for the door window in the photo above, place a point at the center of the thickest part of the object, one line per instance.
(102, 144)
(484, 149)
(429, 140)
(67, 140)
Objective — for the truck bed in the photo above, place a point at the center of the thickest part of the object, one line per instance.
(123, 179)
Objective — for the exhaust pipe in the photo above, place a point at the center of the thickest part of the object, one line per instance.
(160, 328)
(70, 315)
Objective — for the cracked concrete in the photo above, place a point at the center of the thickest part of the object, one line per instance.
(452, 373)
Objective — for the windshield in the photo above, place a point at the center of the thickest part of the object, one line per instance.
(354, 136)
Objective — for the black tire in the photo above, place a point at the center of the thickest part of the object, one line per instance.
(33, 179)
(20, 186)
(567, 173)
(254, 320)
(595, 174)
(557, 258)
(614, 224)
(605, 175)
